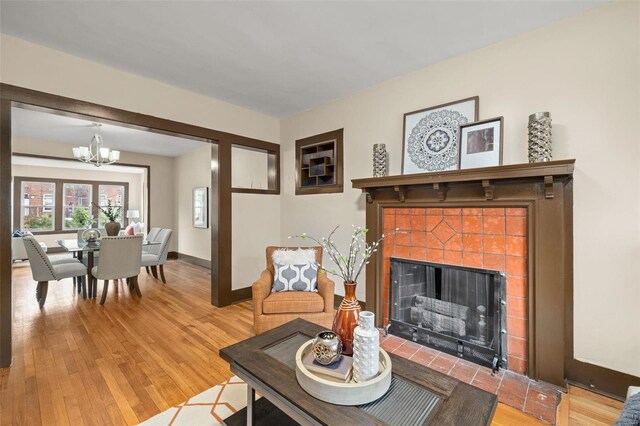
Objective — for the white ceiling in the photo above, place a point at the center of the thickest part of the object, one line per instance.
(74, 131)
(275, 57)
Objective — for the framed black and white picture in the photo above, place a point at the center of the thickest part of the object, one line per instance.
(430, 136)
(481, 143)
(201, 207)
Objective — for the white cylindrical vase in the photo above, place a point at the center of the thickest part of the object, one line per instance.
(366, 348)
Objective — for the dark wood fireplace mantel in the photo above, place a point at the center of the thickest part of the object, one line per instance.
(487, 177)
(545, 190)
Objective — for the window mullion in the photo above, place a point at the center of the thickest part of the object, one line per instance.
(57, 208)
(94, 202)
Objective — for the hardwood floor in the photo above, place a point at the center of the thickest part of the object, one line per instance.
(76, 362)
(588, 408)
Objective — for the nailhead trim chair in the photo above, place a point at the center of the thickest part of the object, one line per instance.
(120, 258)
(273, 309)
(151, 236)
(43, 270)
(158, 257)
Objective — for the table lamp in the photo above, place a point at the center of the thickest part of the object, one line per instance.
(132, 215)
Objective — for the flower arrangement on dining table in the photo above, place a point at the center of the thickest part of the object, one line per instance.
(111, 211)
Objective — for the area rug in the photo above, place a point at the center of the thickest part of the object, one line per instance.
(208, 408)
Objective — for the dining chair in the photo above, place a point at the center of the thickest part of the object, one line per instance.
(159, 258)
(120, 258)
(44, 270)
(151, 236)
(152, 249)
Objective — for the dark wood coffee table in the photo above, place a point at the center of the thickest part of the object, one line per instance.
(418, 395)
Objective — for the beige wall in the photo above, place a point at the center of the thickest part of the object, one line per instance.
(161, 178)
(255, 225)
(585, 71)
(192, 170)
(255, 217)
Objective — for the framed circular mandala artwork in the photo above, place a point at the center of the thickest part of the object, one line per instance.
(431, 139)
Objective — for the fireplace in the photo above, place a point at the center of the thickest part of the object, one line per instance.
(515, 219)
(454, 309)
(463, 239)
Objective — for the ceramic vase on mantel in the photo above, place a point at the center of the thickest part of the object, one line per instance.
(366, 348)
(380, 163)
(539, 137)
(346, 319)
(112, 228)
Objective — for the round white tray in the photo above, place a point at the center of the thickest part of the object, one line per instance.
(340, 393)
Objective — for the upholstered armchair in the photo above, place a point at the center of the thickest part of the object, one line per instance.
(273, 309)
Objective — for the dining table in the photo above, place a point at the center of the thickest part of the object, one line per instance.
(89, 248)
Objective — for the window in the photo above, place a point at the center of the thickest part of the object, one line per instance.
(38, 204)
(59, 206)
(113, 194)
(76, 208)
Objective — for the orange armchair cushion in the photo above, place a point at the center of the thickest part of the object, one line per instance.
(292, 302)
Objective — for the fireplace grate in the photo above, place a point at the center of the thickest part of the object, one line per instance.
(457, 310)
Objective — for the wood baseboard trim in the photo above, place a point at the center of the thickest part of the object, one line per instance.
(337, 299)
(236, 295)
(241, 294)
(191, 259)
(605, 381)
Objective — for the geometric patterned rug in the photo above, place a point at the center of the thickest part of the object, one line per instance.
(208, 408)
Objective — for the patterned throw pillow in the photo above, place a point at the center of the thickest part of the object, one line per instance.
(295, 277)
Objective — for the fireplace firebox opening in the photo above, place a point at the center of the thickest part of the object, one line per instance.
(454, 309)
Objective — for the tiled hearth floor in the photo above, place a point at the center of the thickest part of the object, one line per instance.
(534, 398)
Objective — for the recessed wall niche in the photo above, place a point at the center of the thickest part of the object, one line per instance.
(319, 163)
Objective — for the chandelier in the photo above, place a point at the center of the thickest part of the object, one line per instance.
(95, 153)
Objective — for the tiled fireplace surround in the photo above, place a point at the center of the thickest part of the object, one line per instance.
(488, 238)
(516, 219)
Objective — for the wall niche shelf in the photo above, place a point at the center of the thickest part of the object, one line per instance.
(319, 164)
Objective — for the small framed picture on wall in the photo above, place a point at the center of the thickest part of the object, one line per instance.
(481, 143)
(201, 207)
